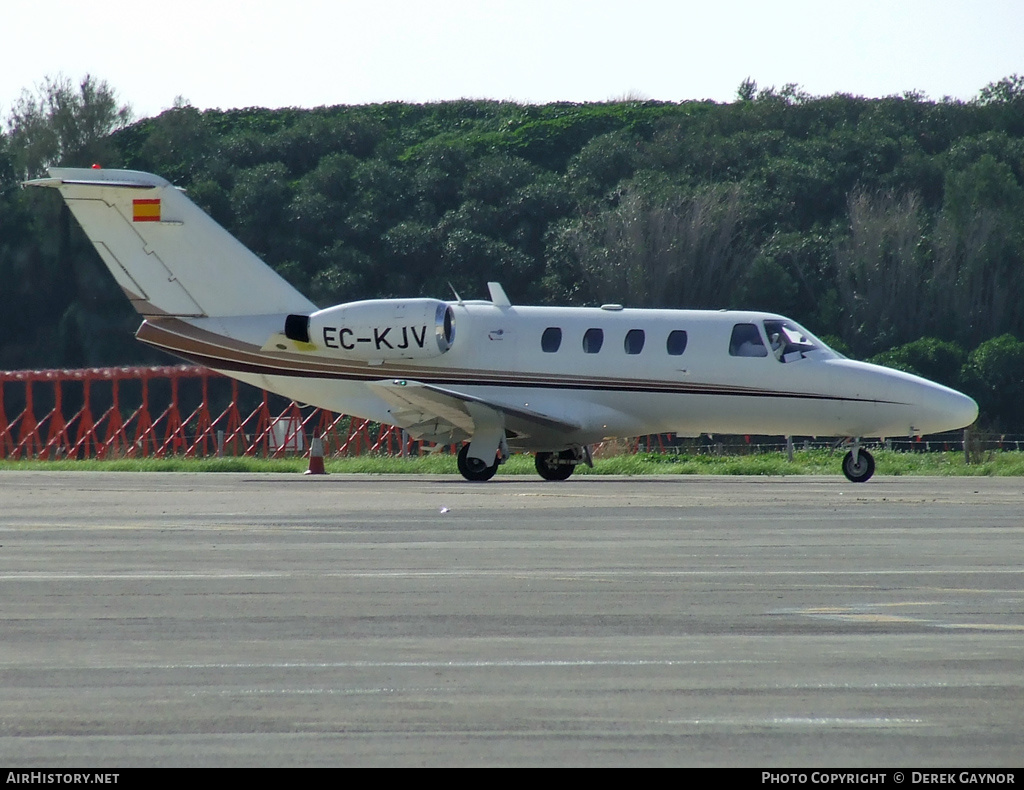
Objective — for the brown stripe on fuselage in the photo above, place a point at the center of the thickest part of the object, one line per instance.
(224, 353)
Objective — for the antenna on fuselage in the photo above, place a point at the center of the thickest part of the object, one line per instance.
(457, 297)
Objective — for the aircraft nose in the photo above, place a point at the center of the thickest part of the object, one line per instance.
(945, 409)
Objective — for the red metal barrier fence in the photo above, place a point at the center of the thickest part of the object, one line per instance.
(130, 426)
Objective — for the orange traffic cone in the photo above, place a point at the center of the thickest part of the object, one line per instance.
(316, 457)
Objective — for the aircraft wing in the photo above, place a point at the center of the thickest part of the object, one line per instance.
(434, 414)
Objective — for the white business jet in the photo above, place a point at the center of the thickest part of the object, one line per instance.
(497, 376)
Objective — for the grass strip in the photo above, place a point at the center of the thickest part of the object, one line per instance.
(805, 462)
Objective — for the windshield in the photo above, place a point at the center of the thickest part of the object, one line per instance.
(791, 342)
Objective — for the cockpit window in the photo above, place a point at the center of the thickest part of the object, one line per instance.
(790, 342)
(746, 342)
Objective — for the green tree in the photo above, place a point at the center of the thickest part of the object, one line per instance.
(605, 161)
(260, 200)
(978, 259)
(937, 360)
(747, 90)
(62, 124)
(414, 250)
(994, 376)
(1008, 89)
(688, 253)
(878, 271)
(179, 139)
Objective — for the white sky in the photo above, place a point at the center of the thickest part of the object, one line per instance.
(305, 53)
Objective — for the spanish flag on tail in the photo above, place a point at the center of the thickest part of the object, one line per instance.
(146, 210)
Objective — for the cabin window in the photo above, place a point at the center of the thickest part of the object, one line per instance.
(676, 343)
(551, 340)
(634, 342)
(746, 342)
(593, 339)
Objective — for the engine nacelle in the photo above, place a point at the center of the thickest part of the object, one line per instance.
(378, 329)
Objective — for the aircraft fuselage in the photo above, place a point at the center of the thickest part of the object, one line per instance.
(612, 373)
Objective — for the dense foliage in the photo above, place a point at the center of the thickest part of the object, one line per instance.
(876, 222)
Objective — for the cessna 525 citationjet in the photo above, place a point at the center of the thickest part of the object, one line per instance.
(499, 377)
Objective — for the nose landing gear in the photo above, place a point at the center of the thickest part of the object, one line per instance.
(858, 465)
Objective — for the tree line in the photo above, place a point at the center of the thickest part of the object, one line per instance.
(892, 226)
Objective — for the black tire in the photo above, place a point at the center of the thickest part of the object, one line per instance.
(548, 467)
(861, 471)
(474, 469)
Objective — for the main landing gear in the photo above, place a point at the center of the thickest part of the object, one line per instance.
(550, 465)
(556, 466)
(858, 465)
(474, 469)
(560, 465)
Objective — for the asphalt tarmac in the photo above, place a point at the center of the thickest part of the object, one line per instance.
(272, 620)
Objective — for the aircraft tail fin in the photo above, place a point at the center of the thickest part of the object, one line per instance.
(169, 256)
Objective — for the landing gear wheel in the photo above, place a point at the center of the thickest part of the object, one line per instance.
(861, 471)
(473, 468)
(555, 466)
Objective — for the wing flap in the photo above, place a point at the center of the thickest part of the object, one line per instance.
(427, 411)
